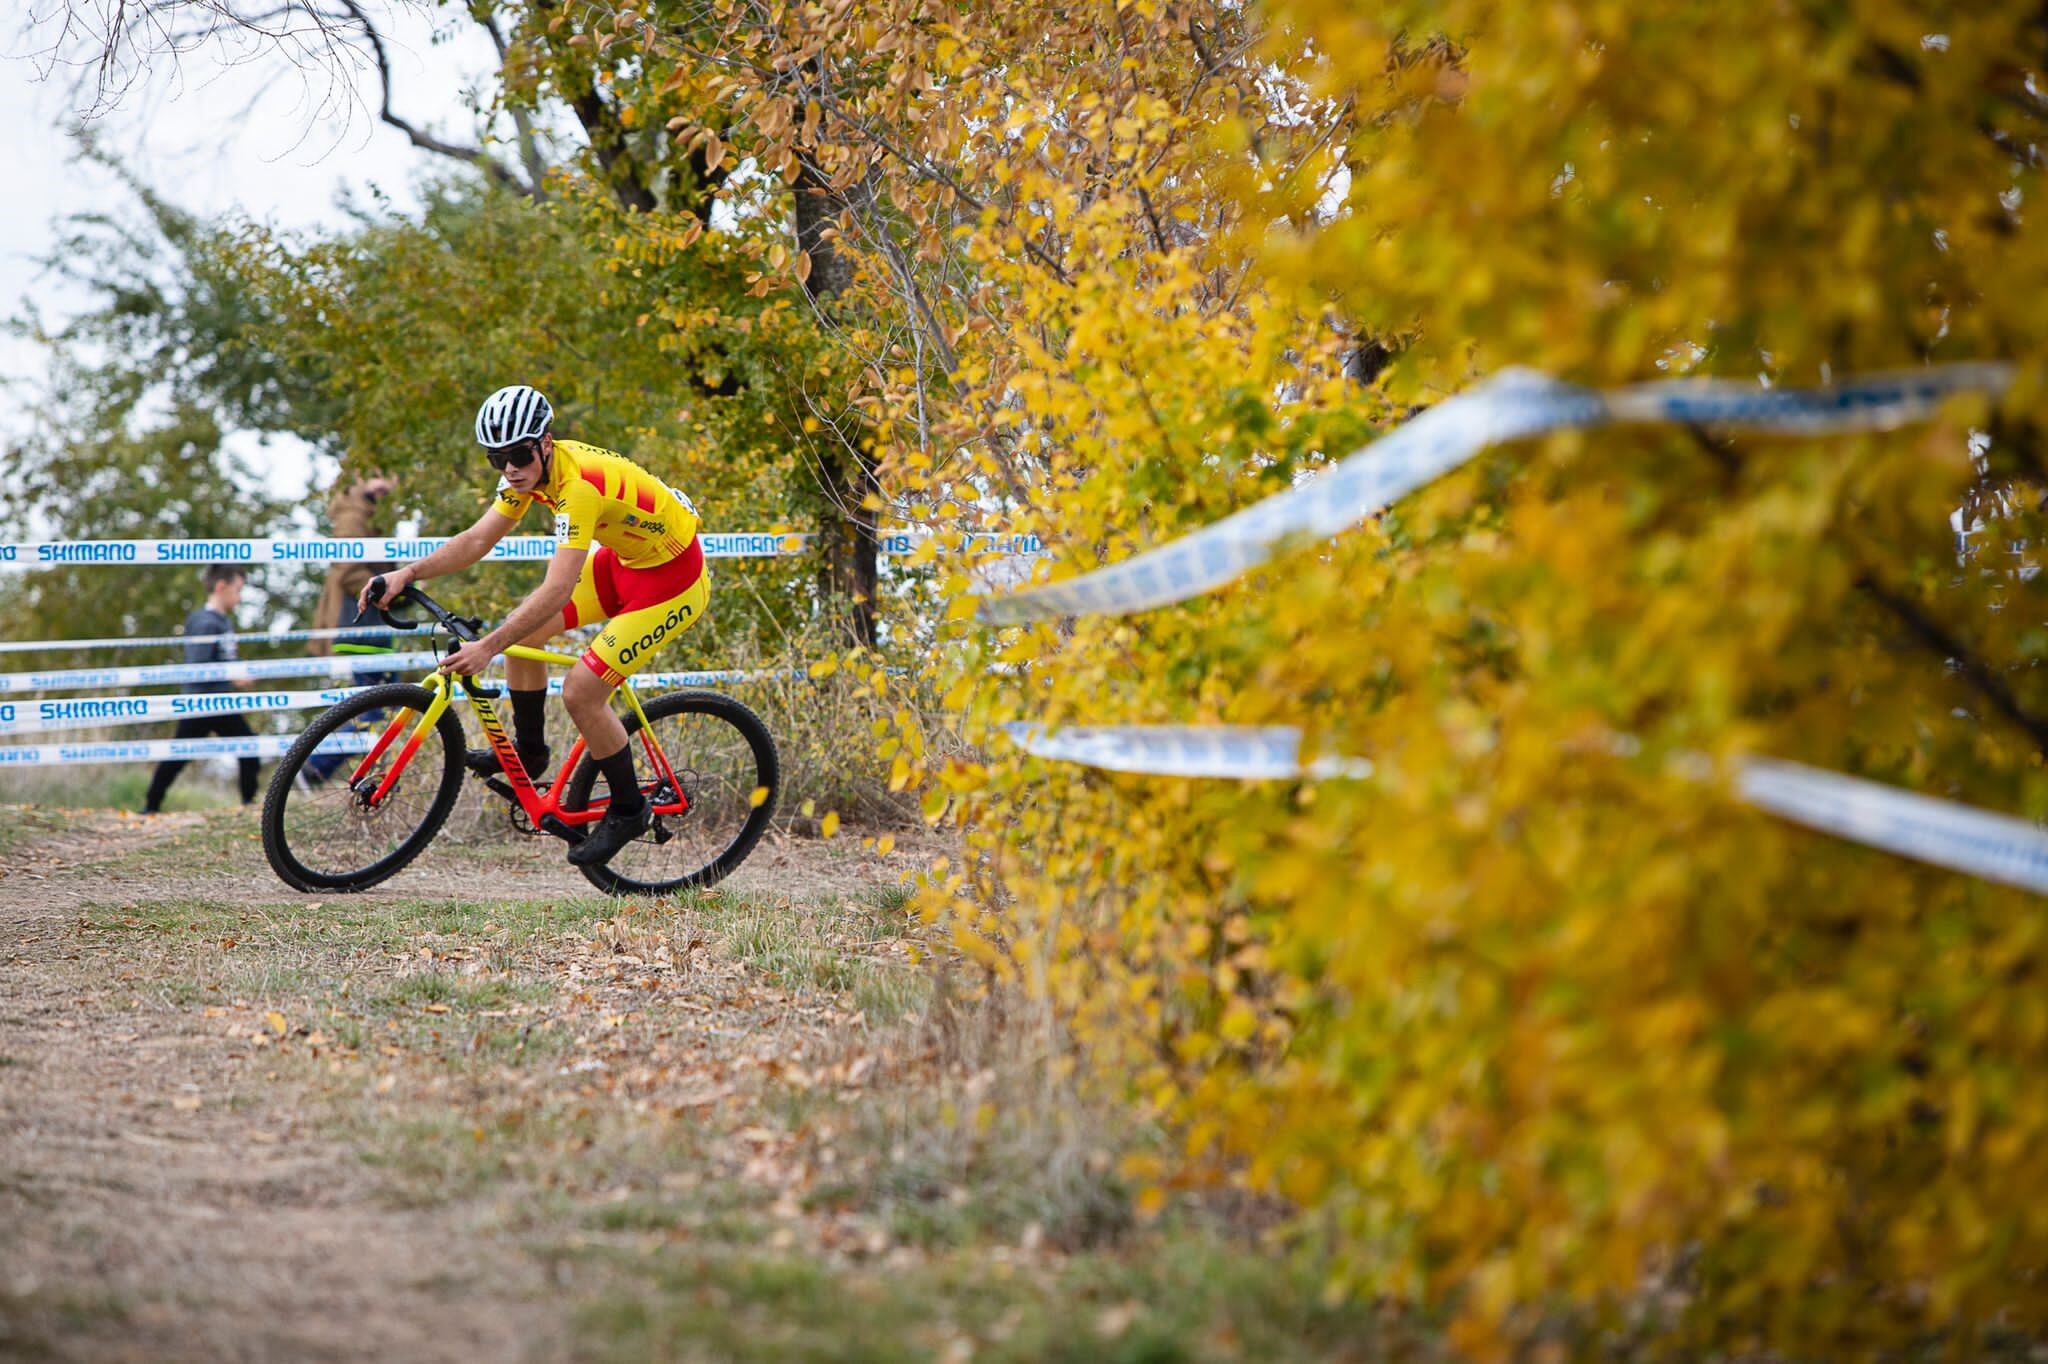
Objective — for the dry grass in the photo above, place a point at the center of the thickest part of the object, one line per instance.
(740, 1124)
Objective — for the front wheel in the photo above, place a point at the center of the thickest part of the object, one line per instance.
(327, 826)
(724, 763)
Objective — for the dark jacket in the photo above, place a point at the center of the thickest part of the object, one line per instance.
(207, 621)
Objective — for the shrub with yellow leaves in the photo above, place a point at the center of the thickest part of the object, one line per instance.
(1537, 1019)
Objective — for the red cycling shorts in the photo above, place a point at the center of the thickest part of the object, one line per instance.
(641, 607)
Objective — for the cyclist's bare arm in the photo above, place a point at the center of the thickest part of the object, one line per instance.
(544, 604)
(540, 613)
(463, 549)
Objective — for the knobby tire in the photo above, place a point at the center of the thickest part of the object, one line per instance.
(443, 746)
(767, 772)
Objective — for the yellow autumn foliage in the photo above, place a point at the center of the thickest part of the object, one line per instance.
(1538, 1022)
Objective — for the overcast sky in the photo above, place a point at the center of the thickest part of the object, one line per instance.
(255, 138)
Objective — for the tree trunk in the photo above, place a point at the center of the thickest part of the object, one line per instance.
(848, 576)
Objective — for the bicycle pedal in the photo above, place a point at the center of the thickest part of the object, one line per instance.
(568, 833)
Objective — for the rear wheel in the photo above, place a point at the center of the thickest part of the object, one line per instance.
(724, 761)
(323, 831)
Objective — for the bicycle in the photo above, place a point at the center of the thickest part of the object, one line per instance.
(712, 801)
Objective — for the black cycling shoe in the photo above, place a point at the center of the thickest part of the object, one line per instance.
(484, 762)
(610, 834)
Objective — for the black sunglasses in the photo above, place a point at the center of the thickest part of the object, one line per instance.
(513, 456)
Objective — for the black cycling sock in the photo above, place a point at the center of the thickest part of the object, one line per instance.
(530, 721)
(618, 770)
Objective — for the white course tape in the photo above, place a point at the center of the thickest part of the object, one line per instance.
(906, 542)
(1245, 752)
(1511, 405)
(94, 712)
(260, 670)
(318, 550)
(88, 712)
(34, 646)
(156, 750)
(749, 544)
(1996, 847)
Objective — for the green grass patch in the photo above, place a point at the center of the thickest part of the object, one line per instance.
(459, 995)
(222, 836)
(53, 1322)
(22, 825)
(439, 1155)
(825, 947)
(1183, 1295)
(347, 922)
(886, 992)
(120, 787)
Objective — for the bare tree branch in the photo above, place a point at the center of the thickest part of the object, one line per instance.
(522, 120)
(419, 137)
(1973, 669)
(115, 45)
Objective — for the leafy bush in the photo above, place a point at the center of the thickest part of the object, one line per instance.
(1537, 1018)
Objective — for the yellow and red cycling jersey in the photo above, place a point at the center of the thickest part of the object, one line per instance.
(646, 581)
(597, 495)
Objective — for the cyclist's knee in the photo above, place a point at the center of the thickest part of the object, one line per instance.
(583, 690)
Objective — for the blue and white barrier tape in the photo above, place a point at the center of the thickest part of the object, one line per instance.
(907, 542)
(749, 544)
(33, 646)
(1242, 752)
(320, 550)
(94, 712)
(156, 750)
(259, 670)
(90, 712)
(1510, 406)
(1996, 847)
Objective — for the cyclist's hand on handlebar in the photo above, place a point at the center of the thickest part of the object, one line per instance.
(383, 588)
(470, 659)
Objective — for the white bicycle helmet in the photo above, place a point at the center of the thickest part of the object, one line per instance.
(512, 414)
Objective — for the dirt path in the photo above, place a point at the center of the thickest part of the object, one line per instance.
(483, 1114)
(168, 1188)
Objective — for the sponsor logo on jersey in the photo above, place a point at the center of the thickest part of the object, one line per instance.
(654, 636)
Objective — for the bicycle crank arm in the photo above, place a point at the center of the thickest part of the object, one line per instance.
(568, 833)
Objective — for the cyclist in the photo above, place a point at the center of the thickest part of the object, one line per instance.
(645, 580)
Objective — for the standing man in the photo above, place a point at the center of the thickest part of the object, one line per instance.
(210, 638)
(646, 581)
(351, 515)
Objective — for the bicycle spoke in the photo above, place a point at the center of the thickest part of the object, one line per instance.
(716, 767)
(361, 794)
(724, 763)
(332, 825)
